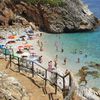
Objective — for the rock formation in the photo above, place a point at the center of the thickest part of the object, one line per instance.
(81, 92)
(72, 16)
(6, 14)
(87, 93)
(11, 89)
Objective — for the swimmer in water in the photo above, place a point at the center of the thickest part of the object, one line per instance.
(65, 60)
(78, 60)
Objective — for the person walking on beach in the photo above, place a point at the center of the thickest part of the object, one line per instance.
(66, 72)
(40, 59)
(40, 34)
(55, 63)
(65, 60)
(50, 66)
(38, 42)
(56, 58)
(41, 46)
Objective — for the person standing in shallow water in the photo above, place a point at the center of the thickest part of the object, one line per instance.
(65, 60)
(56, 45)
(55, 61)
(85, 56)
(78, 60)
(62, 50)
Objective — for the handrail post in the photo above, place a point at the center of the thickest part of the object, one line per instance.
(18, 64)
(44, 89)
(10, 60)
(63, 86)
(33, 69)
(45, 78)
(5, 54)
(70, 79)
(56, 83)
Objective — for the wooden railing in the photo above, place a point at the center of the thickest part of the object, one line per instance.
(35, 67)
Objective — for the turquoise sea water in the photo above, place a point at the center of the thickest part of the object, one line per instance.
(87, 42)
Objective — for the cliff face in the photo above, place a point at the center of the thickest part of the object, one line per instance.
(72, 16)
(11, 88)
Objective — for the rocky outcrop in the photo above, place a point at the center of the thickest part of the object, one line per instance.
(6, 14)
(81, 92)
(11, 89)
(72, 16)
(87, 93)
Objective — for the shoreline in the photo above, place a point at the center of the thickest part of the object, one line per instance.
(46, 56)
(72, 64)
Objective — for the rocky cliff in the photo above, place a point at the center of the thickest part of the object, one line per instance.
(11, 89)
(72, 16)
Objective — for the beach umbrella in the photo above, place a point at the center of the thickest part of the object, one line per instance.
(22, 36)
(10, 42)
(12, 37)
(20, 47)
(25, 54)
(27, 45)
(1, 46)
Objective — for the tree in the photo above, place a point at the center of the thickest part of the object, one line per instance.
(51, 2)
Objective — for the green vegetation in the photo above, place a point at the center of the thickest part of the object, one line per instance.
(51, 2)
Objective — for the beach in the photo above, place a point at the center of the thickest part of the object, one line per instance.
(32, 46)
(49, 53)
(53, 53)
(33, 42)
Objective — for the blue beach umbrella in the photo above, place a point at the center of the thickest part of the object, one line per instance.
(1, 46)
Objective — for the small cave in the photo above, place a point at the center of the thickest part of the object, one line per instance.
(66, 30)
(27, 16)
(11, 22)
(84, 23)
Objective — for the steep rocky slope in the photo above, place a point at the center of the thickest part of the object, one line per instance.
(11, 89)
(72, 16)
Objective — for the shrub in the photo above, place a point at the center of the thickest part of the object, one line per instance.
(51, 2)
